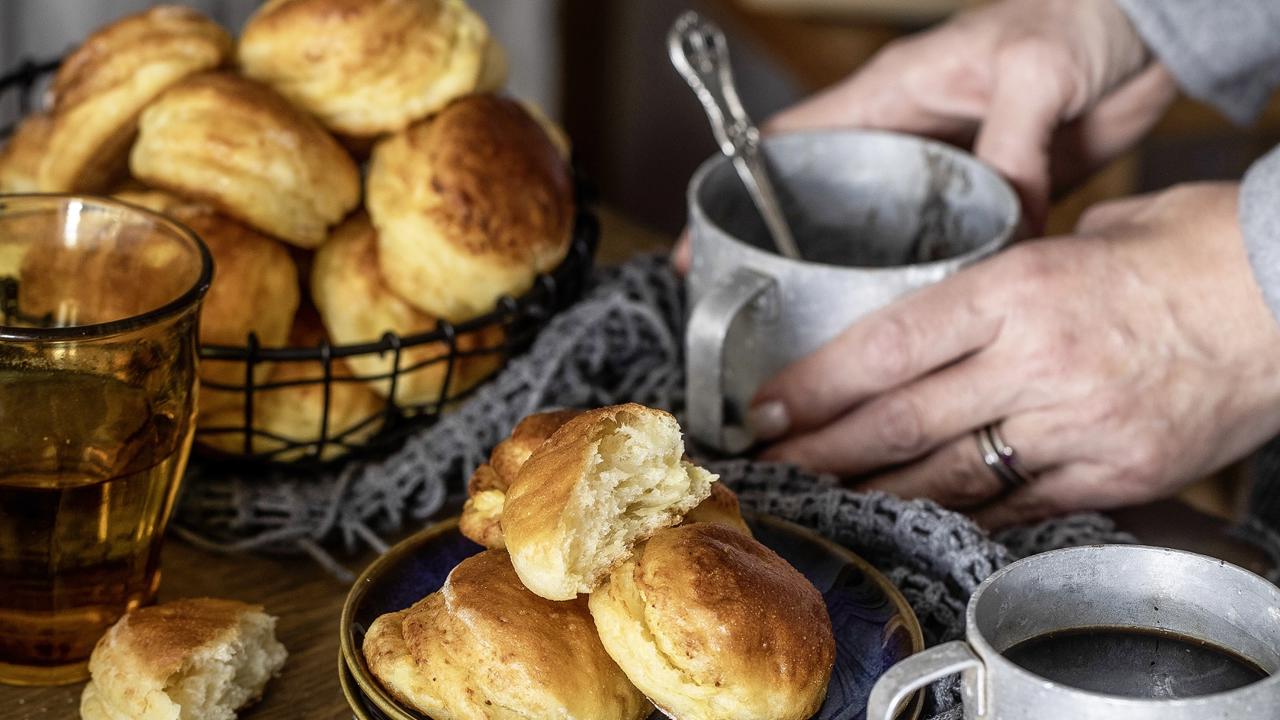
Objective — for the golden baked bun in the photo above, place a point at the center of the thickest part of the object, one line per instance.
(368, 67)
(358, 307)
(470, 205)
(528, 435)
(237, 145)
(493, 76)
(256, 286)
(712, 625)
(483, 646)
(295, 412)
(154, 200)
(193, 658)
(604, 481)
(487, 489)
(254, 289)
(102, 86)
(721, 507)
(21, 156)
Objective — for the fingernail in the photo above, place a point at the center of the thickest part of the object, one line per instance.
(768, 420)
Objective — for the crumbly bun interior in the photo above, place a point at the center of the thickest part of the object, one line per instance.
(604, 481)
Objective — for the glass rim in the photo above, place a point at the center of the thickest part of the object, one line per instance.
(184, 301)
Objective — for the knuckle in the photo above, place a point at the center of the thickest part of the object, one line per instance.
(1028, 269)
(1104, 412)
(1054, 353)
(894, 53)
(900, 426)
(1095, 217)
(1044, 55)
(1035, 49)
(1142, 460)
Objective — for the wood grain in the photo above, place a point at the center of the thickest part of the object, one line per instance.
(307, 600)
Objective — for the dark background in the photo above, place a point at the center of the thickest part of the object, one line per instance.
(600, 67)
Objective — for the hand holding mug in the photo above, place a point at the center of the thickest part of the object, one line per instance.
(1041, 89)
(1121, 363)
(1045, 91)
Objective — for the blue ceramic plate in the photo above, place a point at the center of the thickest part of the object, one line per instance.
(874, 626)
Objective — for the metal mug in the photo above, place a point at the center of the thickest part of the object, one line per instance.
(1111, 586)
(876, 214)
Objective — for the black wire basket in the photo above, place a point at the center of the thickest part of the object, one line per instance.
(508, 330)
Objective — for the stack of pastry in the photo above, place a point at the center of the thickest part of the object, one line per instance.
(254, 144)
(608, 550)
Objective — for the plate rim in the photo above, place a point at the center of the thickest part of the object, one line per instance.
(354, 664)
(346, 678)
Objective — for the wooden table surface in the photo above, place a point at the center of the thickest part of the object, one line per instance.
(308, 601)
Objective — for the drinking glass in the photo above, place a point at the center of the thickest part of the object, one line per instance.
(99, 304)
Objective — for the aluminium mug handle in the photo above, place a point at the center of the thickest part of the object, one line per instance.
(705, 337)
(895, 686)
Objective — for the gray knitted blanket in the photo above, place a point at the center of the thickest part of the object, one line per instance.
(621, 343)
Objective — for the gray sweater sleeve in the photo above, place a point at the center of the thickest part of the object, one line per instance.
(1260, 223)
(1224, 52)
(1227, 53)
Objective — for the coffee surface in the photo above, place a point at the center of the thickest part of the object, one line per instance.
(1135, 663)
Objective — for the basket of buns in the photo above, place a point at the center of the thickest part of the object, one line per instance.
(387, 229)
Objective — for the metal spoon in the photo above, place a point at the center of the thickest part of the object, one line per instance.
(701, 54)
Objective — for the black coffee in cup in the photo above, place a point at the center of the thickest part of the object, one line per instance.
(1134, 662)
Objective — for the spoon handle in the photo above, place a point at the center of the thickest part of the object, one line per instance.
(700, 54)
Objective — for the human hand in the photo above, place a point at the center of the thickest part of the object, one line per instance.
(1035, 85)
(1122, 363)
(1046, 91)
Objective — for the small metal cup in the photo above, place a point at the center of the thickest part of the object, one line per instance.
(876, 214)
(1115, 586)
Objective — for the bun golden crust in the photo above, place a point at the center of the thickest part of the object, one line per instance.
(165, 660)
(21, 156)
(367, 67)
(486, 491)
(605, 480)
(481, 520)
(102, 86)
(255, 289)
(469, 205)
(295, 412)
(712, 625)
(493, 76)
(239, 146)
(528, 435)
(484, 646)
(720, 507)
(153, 200)
(357, 307)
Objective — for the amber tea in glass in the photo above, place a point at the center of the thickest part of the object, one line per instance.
(99, 303)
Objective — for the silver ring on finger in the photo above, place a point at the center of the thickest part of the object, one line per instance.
(1000, 457)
